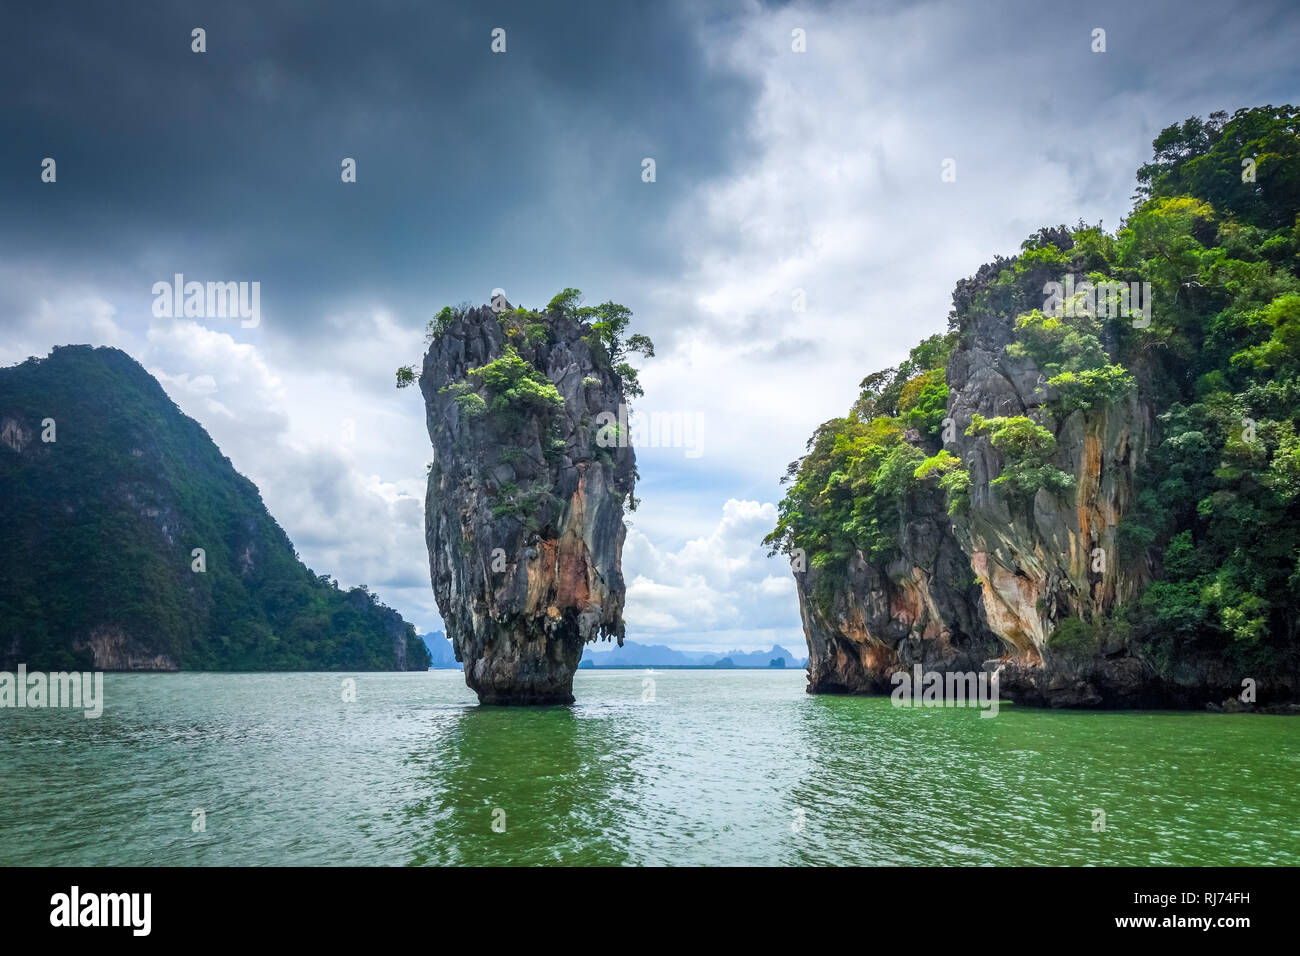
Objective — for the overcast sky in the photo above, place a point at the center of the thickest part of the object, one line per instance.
(775, 171)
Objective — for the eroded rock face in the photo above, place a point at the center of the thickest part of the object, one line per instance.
(115, 650)
(1057, 556)
(524, 509)
(921, 608)
(987, 587)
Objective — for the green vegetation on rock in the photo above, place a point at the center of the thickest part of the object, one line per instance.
(848, 493)
(1026, 448)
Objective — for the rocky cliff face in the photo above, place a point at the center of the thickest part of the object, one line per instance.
(524, 511)
(921, 608)
(989, 586)
(986, 588)
(1038, 563)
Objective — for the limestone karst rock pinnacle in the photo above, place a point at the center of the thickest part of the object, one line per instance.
(526, 494)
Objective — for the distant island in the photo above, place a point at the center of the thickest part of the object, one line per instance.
(632, 654)
(442, 656)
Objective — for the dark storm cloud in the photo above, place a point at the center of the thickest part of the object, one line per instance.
(474, 169)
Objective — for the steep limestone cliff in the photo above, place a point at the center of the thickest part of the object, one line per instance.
(987, 586)
(1098, 501)
(526, 492)
(919, 608)
(1055, 555)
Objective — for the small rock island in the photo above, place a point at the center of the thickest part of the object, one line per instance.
(527, 488)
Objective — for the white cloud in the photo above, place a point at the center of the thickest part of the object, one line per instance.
(719, 582)
(61, 312)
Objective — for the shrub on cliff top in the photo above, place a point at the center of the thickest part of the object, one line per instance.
(608, 323)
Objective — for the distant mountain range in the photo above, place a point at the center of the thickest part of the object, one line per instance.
(632, 654)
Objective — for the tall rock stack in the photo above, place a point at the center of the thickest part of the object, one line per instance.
(526, 493)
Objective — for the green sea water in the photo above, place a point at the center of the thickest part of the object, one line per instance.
(722, 767)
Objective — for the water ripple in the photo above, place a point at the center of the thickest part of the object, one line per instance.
(721, 767)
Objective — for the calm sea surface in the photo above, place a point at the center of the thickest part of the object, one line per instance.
(723, 767)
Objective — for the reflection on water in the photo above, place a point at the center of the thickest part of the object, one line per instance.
(730, 767)
(549, 793)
